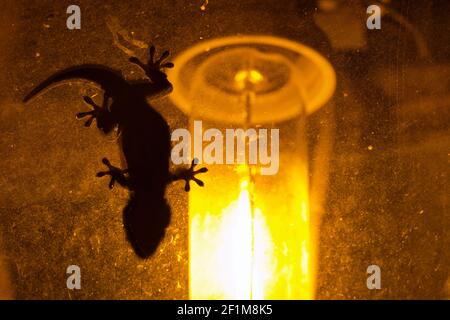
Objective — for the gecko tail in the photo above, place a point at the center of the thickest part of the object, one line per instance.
(110, 80)
(146, 218)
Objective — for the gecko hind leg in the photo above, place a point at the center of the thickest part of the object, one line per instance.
(98, 112)
(117, 174)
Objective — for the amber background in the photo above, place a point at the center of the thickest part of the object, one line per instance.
(387, 201)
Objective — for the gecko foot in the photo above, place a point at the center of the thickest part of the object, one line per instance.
(93, 114)
(116, 174)
(101, 114)
(154, 66)
(189, 174)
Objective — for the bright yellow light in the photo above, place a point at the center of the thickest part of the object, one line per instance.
(239, 254)
(221, 250)
(248, 76)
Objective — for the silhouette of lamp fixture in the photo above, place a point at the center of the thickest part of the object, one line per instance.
(251, 236)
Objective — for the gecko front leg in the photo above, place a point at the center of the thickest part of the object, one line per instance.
(159, 85)
(117, 174)
(153, 68)
(189, 174)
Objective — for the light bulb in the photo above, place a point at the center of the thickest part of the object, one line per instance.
(250, 232)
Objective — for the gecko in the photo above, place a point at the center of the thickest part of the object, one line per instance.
(144, 139)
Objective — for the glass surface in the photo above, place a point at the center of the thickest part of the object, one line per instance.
(376, 154)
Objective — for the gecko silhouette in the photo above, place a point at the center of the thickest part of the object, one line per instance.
(144, 140)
